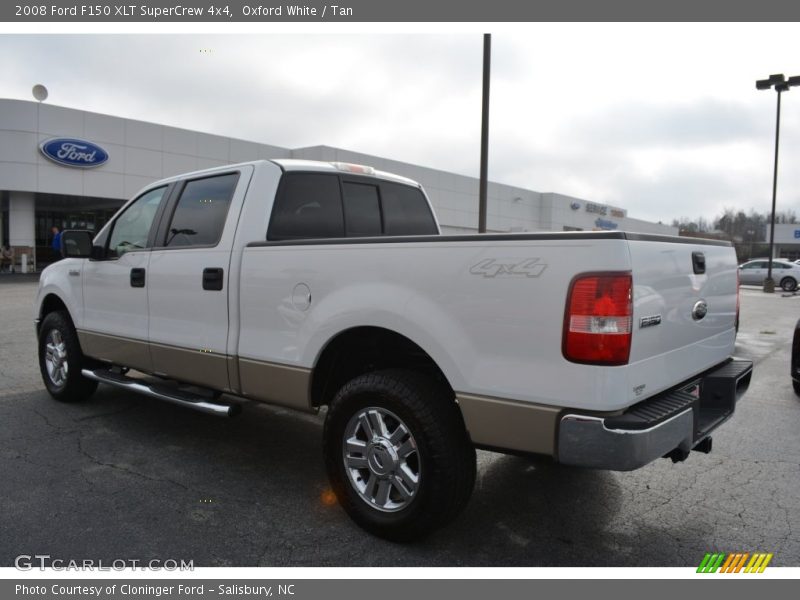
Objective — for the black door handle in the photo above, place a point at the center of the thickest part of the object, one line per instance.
(137, 277)
(212, 279)
(699, 263)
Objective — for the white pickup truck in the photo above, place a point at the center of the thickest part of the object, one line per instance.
(310, 285)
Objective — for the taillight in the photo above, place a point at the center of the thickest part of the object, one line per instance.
(351, 168)
(737, 300)
(598, 319)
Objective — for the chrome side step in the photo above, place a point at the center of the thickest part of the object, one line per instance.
(178, 397)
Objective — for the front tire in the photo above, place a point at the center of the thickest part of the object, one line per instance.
(397, 454)
(61, 360)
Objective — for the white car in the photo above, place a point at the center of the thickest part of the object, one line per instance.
(785, 274)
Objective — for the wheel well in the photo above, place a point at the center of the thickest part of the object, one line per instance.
(362, 350)
(51, 303)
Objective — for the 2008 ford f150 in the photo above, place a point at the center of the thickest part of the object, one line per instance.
(312, 285)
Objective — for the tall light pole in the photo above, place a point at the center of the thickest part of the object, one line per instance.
(484, 183)
(780, 83)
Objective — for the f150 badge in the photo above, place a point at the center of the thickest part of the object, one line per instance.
(651, 321)
(513, 267)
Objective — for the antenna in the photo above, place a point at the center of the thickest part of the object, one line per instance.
(40, 92)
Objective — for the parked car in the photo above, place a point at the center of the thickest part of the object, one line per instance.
(786, 274)
(309, 284)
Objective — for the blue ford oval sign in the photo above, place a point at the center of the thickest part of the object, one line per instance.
(73, 152)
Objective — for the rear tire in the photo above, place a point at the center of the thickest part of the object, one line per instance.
(789, 284)
(796, 386)
(397, 454)
(61, 359)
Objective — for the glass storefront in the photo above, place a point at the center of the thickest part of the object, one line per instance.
(3, 218)
(67, 212)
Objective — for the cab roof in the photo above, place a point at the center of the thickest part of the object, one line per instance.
(294, 164)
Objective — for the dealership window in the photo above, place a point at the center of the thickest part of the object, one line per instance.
(67, 212)
(4, 219)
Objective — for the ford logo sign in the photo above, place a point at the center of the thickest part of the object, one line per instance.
(575, 205)
(72, 152)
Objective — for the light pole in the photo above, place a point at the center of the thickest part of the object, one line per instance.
(781, 84)
(484, 181)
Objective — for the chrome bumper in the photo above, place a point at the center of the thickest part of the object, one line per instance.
(586, 442)
(616, 444)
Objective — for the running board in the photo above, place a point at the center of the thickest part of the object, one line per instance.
(178, 397)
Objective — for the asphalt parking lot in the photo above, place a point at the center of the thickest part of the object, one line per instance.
(126, 477)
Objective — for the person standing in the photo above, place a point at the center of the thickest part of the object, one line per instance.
(56, 243)
(7, 256)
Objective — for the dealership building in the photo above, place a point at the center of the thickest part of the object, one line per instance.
(73, 169)
(787, 241)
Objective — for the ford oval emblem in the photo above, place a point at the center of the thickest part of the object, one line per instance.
(72, 152)
(575, 205)
(700, 310)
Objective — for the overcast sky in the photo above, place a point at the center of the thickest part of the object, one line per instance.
(661, 119)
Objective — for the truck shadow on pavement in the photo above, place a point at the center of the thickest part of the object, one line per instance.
(138, 478)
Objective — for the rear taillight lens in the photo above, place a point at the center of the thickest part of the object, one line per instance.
(598, 319)
(738, 288)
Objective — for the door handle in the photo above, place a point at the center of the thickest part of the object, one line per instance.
(137, 277)
(698, 263)
(213, 278)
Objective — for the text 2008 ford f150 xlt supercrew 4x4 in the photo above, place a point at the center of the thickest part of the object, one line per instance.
(311, 285)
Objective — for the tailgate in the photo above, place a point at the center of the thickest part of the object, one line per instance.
(685, 302)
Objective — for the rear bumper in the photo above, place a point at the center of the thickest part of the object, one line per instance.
(675, 420)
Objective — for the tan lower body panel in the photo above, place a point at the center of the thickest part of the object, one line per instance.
(268, 382)
(120, 351)
(276, 384)
(510, 425)
(192, 366)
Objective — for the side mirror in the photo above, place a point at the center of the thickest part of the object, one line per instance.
(76, 244)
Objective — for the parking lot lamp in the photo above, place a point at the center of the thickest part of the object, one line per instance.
(781, 84)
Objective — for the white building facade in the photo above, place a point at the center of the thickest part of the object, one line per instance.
(787, 241)
(40, 190)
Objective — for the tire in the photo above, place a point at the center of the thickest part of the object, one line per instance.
(796, 386)
(61, 360)
(788, 284)
(404, 483)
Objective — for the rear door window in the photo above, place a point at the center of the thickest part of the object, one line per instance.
(201, 211)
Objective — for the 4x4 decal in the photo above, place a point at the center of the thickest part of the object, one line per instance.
(514, 267)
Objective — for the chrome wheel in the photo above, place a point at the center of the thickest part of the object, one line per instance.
(55, 358)
(381, 459)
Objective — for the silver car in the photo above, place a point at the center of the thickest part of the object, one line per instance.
(786, 274)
